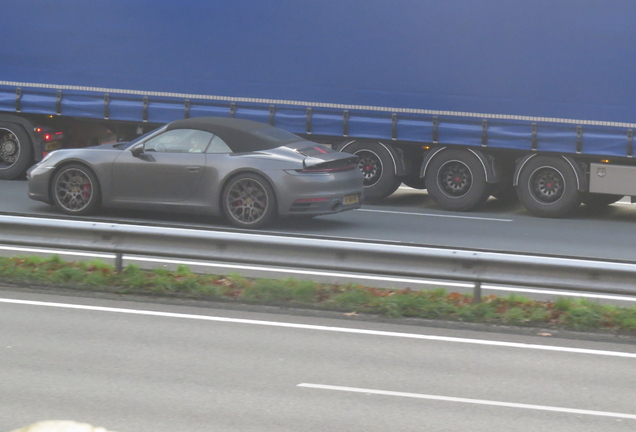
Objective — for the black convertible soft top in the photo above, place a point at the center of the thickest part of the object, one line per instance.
(240, 135)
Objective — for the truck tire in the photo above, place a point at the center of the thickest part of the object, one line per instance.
(598, 201)
(456, 180)
(16, 152)
(377, 167)
(547, 187)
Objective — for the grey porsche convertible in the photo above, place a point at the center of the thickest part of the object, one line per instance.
(247, 171)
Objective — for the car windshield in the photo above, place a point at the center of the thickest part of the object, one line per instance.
(144, 136)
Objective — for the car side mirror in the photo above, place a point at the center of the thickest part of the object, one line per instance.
(137, 150)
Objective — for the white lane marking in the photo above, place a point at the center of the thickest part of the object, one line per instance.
(470, 401)
(435, 215)
(303, 272)
(321, 328)
(56, 252)
(557, 293)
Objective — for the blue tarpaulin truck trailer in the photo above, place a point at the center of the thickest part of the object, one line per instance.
(466, 98)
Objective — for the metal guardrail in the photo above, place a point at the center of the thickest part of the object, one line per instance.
(478, 267)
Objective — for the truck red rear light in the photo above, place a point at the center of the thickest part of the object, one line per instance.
(53, 136)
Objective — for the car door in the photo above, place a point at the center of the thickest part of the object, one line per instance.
(167, 168)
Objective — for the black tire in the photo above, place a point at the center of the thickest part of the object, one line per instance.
(598, 201)
(377, 167)
(456, 180)
(248, 201)
(75, 190)
(16, 151)
(548, 188)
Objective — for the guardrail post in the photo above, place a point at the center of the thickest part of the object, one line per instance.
(119, 262)
(477, 292)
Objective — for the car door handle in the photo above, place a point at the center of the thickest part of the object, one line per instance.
(193, 168)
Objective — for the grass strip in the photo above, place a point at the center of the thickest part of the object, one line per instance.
(562, 313)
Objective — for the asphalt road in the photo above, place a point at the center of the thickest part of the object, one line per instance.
(409, 216)
(131, 366)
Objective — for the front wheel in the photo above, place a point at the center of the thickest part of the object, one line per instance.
(75, 190)
(249, 201)
(548, 187)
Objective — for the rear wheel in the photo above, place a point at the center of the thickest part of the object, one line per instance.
(16, 152)
(456, 180)
(249, 201)
(377, 167)
(75, 190)
(548, 187)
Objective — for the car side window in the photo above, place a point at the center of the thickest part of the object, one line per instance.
(218, 146)
(179, 141)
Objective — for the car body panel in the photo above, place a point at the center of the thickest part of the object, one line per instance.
(156, 177)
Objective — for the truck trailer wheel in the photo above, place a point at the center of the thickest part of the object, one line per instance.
(547, 187)
(456, 180)
(15, 151)
(377, 167)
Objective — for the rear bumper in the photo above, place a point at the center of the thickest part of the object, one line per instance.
(329, 205)
(318, 194)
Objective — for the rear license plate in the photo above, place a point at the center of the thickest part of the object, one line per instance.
(350, 199)
(50, 146)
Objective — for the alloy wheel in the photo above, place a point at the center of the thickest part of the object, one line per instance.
(73, 190)
(247, 201)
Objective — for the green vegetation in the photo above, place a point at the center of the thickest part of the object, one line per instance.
(564, 313)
